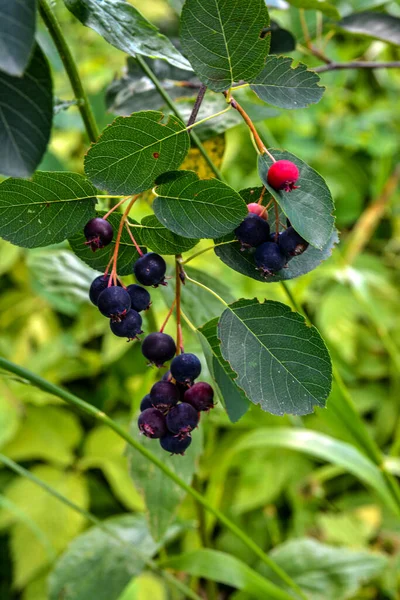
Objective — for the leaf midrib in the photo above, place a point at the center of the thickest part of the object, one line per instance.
(45, 202)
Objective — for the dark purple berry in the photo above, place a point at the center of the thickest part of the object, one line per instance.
(291, 243)
(182, 387)
(145, 403)
(164, 395)
(152, 424)
(150, 269)
(269, 258)
(253, 231)
(158, 348)
(98, 233)
(174, 444)
(200, 396)
(114, 302)
(140, 298)
(130, 326)
(182, 419)
(185, 368)
(98, 285)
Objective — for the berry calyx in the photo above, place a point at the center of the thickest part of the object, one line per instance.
(140, 298)
(174, 444)
(158, 348)
(98, 285)
(129, 326)
(269, 258)
(164, 395)
(152, 423)
(252, 231)
(185, 368)
(282, 175)
(114, 302)
(98, 233)
(182, 419)
(258, 209)
(146, 403)
(200, 396)
(150, 269)
(291, 243)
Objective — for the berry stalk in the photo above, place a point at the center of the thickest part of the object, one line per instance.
(178, 284)
(115, 207)
(113, 274)
(260, 145)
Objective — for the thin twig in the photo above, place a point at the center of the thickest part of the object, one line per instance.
(197, 105)
(168, 316)
(357, 64)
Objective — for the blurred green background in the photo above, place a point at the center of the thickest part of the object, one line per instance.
(352, 137)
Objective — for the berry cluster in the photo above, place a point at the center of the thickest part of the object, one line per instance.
(271, 251)
(172, 409)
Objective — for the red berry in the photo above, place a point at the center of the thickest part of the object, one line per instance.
(257, 209)
(282, 175)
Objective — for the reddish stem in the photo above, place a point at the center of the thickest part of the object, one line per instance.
(113, 274)
(276, 220)
(264, 189)
(139, 251)
(115, 207)
(168, 316)
(178, 284)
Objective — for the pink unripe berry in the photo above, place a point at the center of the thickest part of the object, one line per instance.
(282, 175)
(257, 209)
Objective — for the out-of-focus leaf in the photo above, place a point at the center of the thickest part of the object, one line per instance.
(9, 418)
(376, 25)
(17, 35)
(282, 40)
(327, 9)
(215, 148)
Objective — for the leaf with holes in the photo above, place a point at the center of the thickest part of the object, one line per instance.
(133, 151)
(17, 34)
(160, 239)
(197, 208)
(282, 85)
(46, 209)
(234, 398)
(374, 25)
(223, 40)
(281, 364)
(124, 27)
(309, 208)
(26, 114)
(99, 260)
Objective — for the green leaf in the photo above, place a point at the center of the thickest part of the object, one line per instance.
(226, 569)
(134, 91)
(235, 400)
(285, 86)
(60, 429)
(45, 209)
(26, 111)
(9, 419)
(101, 562)
(326, 572)
(324, 7)
(223, 41)
(99, 260)
(308, 208)
(378, 26)
(124, 27)
(322, 447)
(59, 523)
(162, 496)
(282, 40)
(281, 364)
(17, 35)
(197, 208)
(133, 151)
(105, 450)
(160, 239)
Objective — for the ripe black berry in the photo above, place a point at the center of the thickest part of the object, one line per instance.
(98, 233)
(291, 243)
(164, 395)
(175, 445)
(269, 258)
(185, 368)
(200, 396)
(150, 269)
(130, 326)
(152, 424)
(158, 348)
(253, 231)
(140, 298)
(98, 285)
(182, 419)
(114, 302)
(145, 403)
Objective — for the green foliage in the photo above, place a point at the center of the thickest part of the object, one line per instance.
(17, 35)
(370, 24)
(162, 240)
(324, 7)
(27, 114)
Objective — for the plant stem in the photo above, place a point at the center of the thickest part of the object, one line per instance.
(260, 145)
(212, 589)
(70, 66)
(196, 254)
(115, 207)
(357, 64)
(168, 100)
(113, 274)
(209, 290)
(97, 522)
(91, 410)
(138, 249)
(168, 316)
(218, 114)
(197, 105)
(178, 286)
